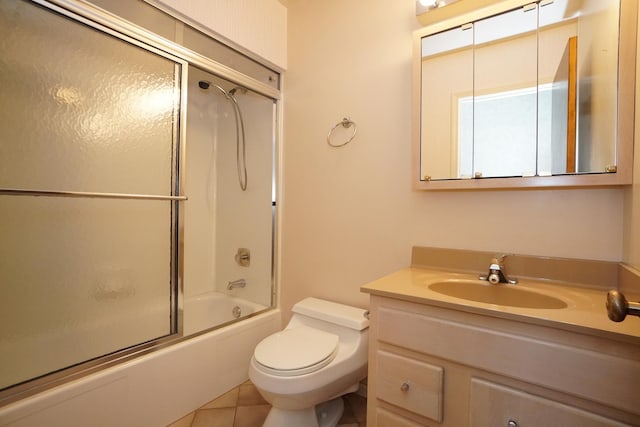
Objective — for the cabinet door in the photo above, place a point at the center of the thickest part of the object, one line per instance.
(389, 419)
(494, 405)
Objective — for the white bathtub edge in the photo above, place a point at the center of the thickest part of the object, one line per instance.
(153, 390)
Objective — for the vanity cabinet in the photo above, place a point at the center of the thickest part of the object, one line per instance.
(438, 366)
(493, 405)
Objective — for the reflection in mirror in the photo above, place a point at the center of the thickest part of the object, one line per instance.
(527, 92)
(447, 74)
(557, 45)
(504, 107)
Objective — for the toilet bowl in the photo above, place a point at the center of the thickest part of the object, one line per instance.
(303, 370)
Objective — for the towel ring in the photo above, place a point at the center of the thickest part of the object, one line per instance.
(345, 123)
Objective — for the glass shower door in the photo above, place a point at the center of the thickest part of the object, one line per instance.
(89, 155)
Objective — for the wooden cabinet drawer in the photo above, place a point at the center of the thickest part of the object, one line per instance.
(389, 419)
(494, 405)
(410, 384)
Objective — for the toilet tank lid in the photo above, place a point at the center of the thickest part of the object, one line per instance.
(340, 314)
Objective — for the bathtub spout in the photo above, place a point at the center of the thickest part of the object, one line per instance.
(240, 283)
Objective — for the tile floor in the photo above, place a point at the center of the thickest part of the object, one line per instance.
(244, 407)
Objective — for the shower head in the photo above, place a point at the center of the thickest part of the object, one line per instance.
(206, 85)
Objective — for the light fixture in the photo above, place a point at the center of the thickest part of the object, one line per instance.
(423, 6)
(428, 3)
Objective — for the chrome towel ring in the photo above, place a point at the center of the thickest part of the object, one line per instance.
(345, 123)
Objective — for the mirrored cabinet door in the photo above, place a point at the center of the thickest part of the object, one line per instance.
(505, 95)
(540, 93)
(557, 89)
(447, 69)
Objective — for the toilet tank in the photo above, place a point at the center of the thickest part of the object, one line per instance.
(332, 312)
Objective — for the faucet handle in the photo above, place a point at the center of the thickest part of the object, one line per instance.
(496, 263)
(499, 259)
(496, 271)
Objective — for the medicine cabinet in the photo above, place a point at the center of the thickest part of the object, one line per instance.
(526, 94)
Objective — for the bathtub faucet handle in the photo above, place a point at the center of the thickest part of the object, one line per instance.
(243, 257)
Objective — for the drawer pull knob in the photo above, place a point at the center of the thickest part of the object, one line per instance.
(405, 386)
(512, 423)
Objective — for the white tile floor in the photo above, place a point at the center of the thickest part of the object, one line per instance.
(244, 407)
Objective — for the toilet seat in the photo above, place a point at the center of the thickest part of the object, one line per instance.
(296, 351)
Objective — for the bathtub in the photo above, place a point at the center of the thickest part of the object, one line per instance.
(212, 309)
(157, 388)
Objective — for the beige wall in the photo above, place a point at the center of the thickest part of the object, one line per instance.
(350, 214)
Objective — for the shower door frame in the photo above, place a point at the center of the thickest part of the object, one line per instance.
(106, 22)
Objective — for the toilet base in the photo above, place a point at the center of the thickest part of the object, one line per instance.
(329, 413)
(326, 414)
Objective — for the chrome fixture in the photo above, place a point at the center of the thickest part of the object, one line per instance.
(423, 6)
(497, 273)
(240, 283)
(345, 123)
(241, 151)
(243, 257)
(618, 307)
(236, 312)
(84, 194)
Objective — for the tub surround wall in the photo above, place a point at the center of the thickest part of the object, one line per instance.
(220, 218)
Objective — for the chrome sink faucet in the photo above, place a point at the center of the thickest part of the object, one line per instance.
(497, 272)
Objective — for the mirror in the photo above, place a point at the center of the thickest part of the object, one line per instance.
(527, 96)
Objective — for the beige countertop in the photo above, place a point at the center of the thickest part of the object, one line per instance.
(585, 312)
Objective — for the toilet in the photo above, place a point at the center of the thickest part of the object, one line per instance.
(303, 370)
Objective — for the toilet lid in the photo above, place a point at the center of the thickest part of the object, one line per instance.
(296, 351)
